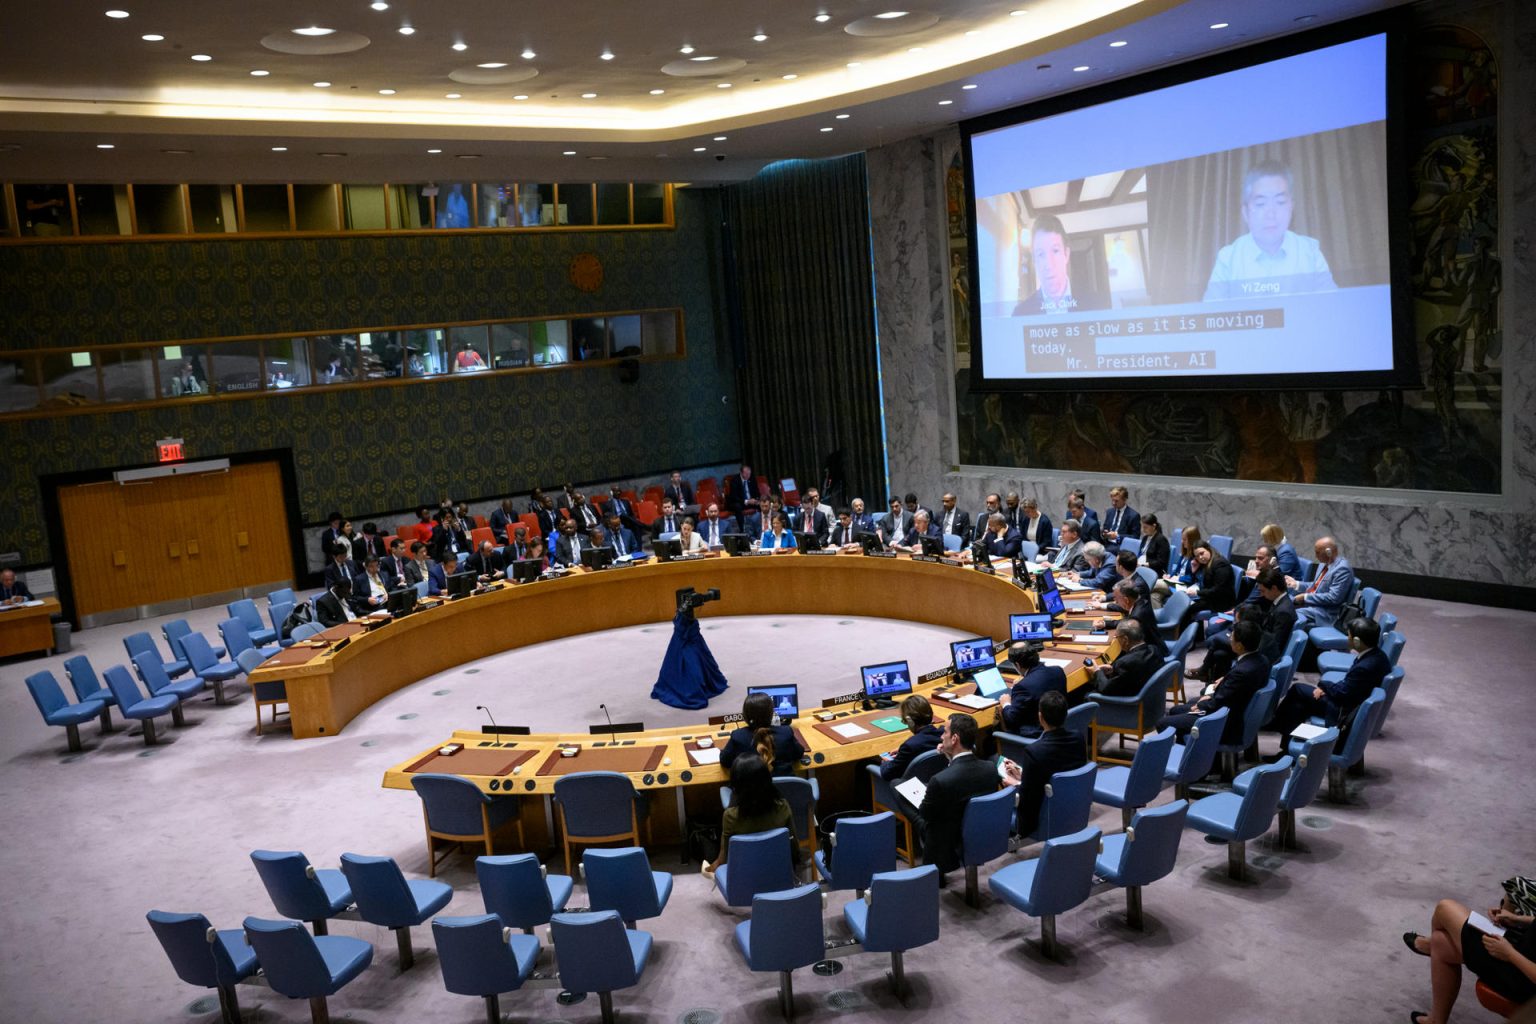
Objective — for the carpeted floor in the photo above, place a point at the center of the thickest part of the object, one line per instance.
(98, 839)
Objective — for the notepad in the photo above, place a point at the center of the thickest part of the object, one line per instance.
(1483, 925)
(891, 723)
(1072, 588)
(703, 757)
(1061, 663)
(974, 701)
(1085, 638)
(848, 730)
(913, 790)
(1307, 731)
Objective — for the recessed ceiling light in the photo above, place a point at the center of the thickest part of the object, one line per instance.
(406, 30)
(685, 49)
(945, 103)
(434, 151)
(105, 145)
(454, 96)
(701, 60)
(606, 55)
(466, 156)
(322, 85)
(720, 138)
(1081, 67)
(823, 17)
(529, 54)
(658, 92)
(313, 30)
(892, 14)
(153, 37)
(175, 152)
(790, 78)
(569, 152)
(700, 149)
(969, 87)
(117, 14)
(520, 96)
(461, 47)
(379, 5)
(258, 73)
(843, 117)
(279, 149)
(1017, 14)
(200, 57)
(330, 154)
(589, 95)
(1220, 24)
(853, 63)
(914, 49)
(493, 64)
(1118, 43)
(386, 92)
(722, 85)
(760, 38)
(974, 32)
(826, 129)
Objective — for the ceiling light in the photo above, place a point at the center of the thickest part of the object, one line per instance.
(1118, 43)
(201, 57)
(973, 32)
(313, 30)
(700, 149)
(520, 96)
(467, 156)
(589, 95)
(945, 103)
(454, 96)
(322, 85)
(379, 5)
(760, 38)
(823, 17)
(606, 55)
(386, 92)
(153, 37)
(569, 152)
(892, 14)
(279, 149)
(720, 138)
(703, 59)
(1220, 24)
(406, 30)
(175, 152)
(843, 117)
(258, 73)
(853, 63)
(826, 129)
(1017, 14)
(685, 49)
(969, 87)
(461, 47)
(330, 154)
(117, 14)
(492, 64)
(915, 49)
(722, 85)
(658, 92)
(434, 151)
(529, 54)
(1081, 67)
(105, 145)
(790, 78)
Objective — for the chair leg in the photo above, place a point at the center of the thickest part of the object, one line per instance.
(1133, 907)
(149, 732)
(787, 995)
(218, 692)
(258, 718)
(1287, 836)
(605, 1000)
(319, 1012)
(229, 1005)
(106, 721)
(493, 1009)
(320, 927)
(407, 953)
(177, 718)
(1126, 814)
(72, 734)
(1237, 860)
(1048, 936)
(899, 976)
(972, 897)
(1336, 791)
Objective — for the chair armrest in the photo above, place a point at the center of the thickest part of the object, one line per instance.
(1243, 781)
(1104, 698)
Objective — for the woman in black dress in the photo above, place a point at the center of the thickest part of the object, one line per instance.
(1506, 963)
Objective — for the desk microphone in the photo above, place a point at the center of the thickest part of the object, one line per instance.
(494, 728)
(613, 734)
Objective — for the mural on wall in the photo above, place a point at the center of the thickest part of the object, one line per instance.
(1445, 437)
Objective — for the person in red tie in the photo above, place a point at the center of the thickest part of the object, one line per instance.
(1321, 602)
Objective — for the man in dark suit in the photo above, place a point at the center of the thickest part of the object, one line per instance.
(585, 514)
(569, 547)
(893, 526)
(813, 518)
(1052, 264)
(502, 518)
(485, 563)
(863, 521)
(332, 535)
(741, 498)
(1021, 715)
(1101, 573)
(1136, 605)
(13, 590)
(921, 527)
(369, 543)
(668, 522)
(943, 810)
(1088, 523)
(844, 534)
(918, 715)
(678, 490)
(341, 566)
(1120, 520)
(449, 536)
(392, 566)
(619, 505)
(1234, 691)
(334, 607)
(714, 527)
(370, 591)
(953, 520)
(518, 545)
(1002, 540)
(1012, 510)
(543, 507)
(1335, 698)
(1132, 667)
(1057, 750)
(623, 542)
(422, 567)
(981, 528)
(1274, 612)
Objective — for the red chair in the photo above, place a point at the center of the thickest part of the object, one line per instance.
(707, 483)
(653, 493)
(481, 533)
(531, 521)
(406, 532)
(647, 512)
(482, 521)
(1494, 1002)
(630, 497)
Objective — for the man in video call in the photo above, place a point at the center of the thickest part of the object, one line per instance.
(1270, 259)
(1052, 260)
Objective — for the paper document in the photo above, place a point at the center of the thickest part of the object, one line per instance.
(1086, 638)
(1061, 663)
(1307, 731)
(974, 701)
(1072, 588)
(709, 756)
(848, 730)
(913, 790)
(1483, 925)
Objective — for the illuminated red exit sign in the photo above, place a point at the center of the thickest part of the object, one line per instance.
(169, 449)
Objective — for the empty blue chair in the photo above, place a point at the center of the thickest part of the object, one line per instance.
(83, 680)
(457, 812)
(864, 847)
(596, 807)
(1171, 612)
(1131, 544)
(1192, 760)
(245, 611)
(1146, 851)
(952, 542)
(143, 643)
(755, 863)
(883, 796)
(801, 795)
(784, 933)
(1134, 715)
(1177, 652)
(237, 638)
(385, 897)
(598, 954)
(1237, 817)
(1138, 785)
(516, 889)
(57, 710)
(1259, 708)
(902, 913)
(1387, 621)
(306, 630)
(267, 693)
(282, 595)
(1296, 646)
(152, 674)
(278, 614)
(1308, 571)
(622, 880)
(984, 831)
(480, 956)
(1067, 804)
(174, 630)
(1301, 788)
(1332, 638)
(1028, 550)
(1222, 545)
(135, 706)
(205, 956)
(301, 891)
(1389, 686)
(1080, 720)
(207, 667)
(1148, 577)
(1053, 883)
(302, 966)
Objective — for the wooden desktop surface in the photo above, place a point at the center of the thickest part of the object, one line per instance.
(24, 630)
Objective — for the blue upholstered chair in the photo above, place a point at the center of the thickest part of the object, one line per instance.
(83, 680)
(1171, 612)
(1348, 755)
(278, 614)
(456, 811)
(207, 667)
(1148, 576)
(902, 913)
(1332, 638)
(480, 956)
(622, 880)
(152, 674)
(1239, 816)
(385, 897)
(143, 643)
(1389, 686)
(301, 891)
(598, 954)
(268, 693)
(984, 831)
(1305, 780)
(1146, 851)
(1080, 720)
(1259, 708)
(57, 710)
(174, 630)
(1131, 544)
(302, 966)
(1134, 715)
(135, 706)
(1053, 883)
(1222, 545)
(207, 957)
(596, 807)
(1177, 652)
(282, 595)
(245, 611)
(1067, 804)
(864, 847)
(801, 795)
(306, 630)
(1192, 760)
(1308, 570)
(1387, 621)
(952, 542)
(883, 796)
(516, 889)
(1138, 785)
(237, 638)
(755, 863)
(784, 933)
(1028, 550)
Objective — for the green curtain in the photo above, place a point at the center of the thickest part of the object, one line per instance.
(803, 318)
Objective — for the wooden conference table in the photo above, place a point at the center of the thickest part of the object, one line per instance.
(27, 628)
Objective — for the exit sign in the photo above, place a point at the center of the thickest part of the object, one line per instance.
(169, 449)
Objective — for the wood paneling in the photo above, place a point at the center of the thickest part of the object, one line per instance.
(171, 538)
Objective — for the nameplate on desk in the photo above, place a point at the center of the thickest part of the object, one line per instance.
(935, 674)
(820, 551)
(843, 698)
(734, 716)
(879, 554)
(687, 558)
(926, 558)
(341, 644)
(757, 554)
(986, 570)
(623, 563)
(1000, 647)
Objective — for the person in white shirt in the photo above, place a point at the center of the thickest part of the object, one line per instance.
(1270, 259)
(692, 542)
